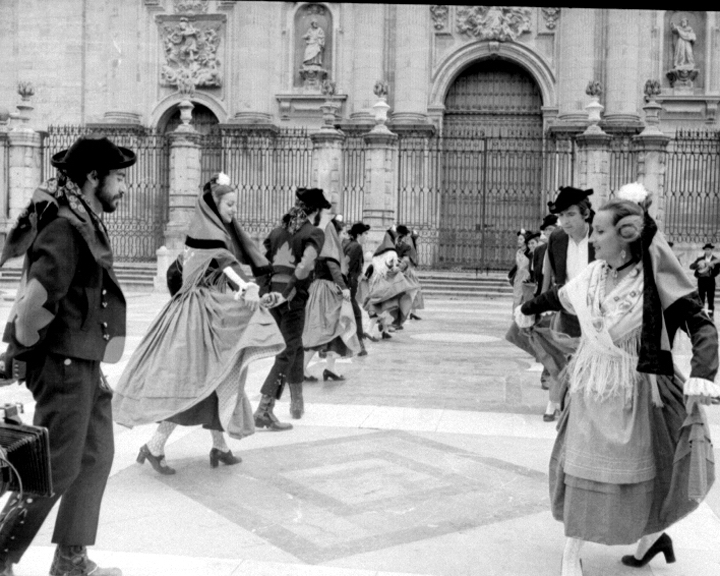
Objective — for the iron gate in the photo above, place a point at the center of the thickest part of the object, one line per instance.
(136, 227)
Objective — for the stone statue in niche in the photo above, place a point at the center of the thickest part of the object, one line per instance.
(191, 55)
(314, 45)
(683, 72)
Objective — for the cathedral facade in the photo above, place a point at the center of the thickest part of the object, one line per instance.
(486, 105)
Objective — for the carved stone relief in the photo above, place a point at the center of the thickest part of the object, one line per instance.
(502, 23)
(191, 54)
(191, 6)
(313, 47)
(439, 14)
(551, 16)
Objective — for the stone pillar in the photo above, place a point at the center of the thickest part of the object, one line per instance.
(381, 185)
(123, 100)
(576, 62)
(594, 165)
(412, 74)
(623, 49)
(254, 64)
(369, 27)
(328, 165)
(651, 145)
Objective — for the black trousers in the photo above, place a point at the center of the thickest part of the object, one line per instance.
(706, 288)
(75, 407)
(356, 310)
(288, 366)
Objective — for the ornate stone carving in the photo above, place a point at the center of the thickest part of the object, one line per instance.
(191, 54)
(191, 6)
(593, 89)
(439, 14)
(551, 16)
(652, 89)
(315, 36)
(381, 89)
(26, 90)
(328, 88)
(500, 23)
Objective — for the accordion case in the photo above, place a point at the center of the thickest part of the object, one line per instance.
(27, 449)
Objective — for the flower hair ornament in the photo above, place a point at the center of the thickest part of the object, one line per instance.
(223, 179)
(635, 192)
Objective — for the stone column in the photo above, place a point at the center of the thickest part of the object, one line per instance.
(123, 101)
(328, 165)
(622, 94)
(651, 145)
(412, 74)
(381, 184)
(594, 165)
(576, 62)
(254, 63)
(369, 26)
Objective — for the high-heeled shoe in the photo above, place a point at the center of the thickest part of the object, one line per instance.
(663, 544)
(310, 378)
(386, 336)
(415, 317)
(157, 462)
(327, 375)
(227, 458)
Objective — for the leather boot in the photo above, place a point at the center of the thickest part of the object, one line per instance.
(264, 417)
(73, 561)
(6, 567)
(297, 407)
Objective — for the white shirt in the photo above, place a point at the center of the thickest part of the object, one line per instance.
(577, 256)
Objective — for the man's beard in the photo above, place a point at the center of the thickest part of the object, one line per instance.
(107, 204)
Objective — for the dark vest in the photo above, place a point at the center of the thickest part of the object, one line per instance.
(557, 254)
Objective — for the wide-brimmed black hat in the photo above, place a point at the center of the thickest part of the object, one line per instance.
(549, 220)
(358, 228)
(313, 198)
(568, 196)
(708, 245)
(530, 235)
(93, 153)
(402, 230)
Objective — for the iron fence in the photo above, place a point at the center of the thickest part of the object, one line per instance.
(265, 167)
(136, 227)
(692, 187)
(623, 166)
(353, 193)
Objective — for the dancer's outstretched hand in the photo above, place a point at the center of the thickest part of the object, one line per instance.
(251, 296)
(272, 299)
(346, 295)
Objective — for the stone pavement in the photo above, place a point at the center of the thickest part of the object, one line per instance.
(430, 459)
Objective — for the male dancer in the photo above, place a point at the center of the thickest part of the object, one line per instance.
(707, 267)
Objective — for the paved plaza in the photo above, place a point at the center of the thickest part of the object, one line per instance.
(429, 459)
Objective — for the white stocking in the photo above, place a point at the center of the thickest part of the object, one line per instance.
(330, 362)
(551, 407)
(645, 543)
(156, 445)
(308, 356)
(218, 439)
(571, 557)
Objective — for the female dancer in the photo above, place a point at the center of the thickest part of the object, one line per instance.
(623, 468)
(330, 326)
(190, 367)
(407, 253)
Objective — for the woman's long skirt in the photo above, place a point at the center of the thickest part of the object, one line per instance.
(329, 321)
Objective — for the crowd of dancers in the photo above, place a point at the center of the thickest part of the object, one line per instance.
(306, 293)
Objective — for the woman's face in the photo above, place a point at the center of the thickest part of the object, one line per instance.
(227, 207)
(532, 244)
(520, 241)
(605, 238)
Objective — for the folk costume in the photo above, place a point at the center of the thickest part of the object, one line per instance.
(330, 327)
(69, 315)
(408, 255)
(707, 268)
(190, 367)
(355, 260)
(292, 250)
(390, 295)
(630, 459)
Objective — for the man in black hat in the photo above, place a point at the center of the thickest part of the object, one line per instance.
(707, 267)
(292, 250)
(354, 253)
(69, 315)
(567, 254)
(548, 226)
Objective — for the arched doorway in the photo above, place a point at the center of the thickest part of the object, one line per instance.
(491, 166)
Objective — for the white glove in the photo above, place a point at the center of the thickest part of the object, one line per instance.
(522, 320)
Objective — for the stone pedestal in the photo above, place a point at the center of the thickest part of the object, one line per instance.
(328, 165)
(381, 185)
(185, 154)
(24, 171)
(651, 146)
(594, 165)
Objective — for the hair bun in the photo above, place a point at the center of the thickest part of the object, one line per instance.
(630, 227)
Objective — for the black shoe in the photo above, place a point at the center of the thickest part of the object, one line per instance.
(227, 458)
(415, 317)
(327, 375)
(662, 544)
(311, 378)
(157, 462)
(551, 417)
(386, 336)
(363, 352)
(73, 561)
